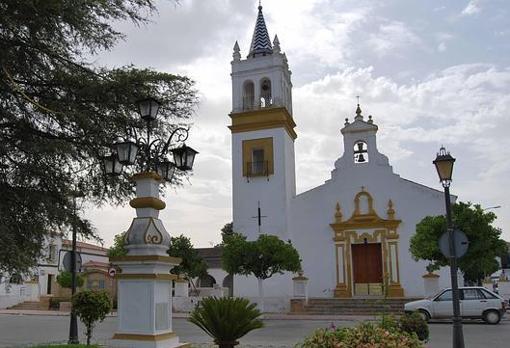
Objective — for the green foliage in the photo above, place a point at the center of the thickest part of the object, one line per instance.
(264, 257)
(226, 319)
(91, 306)
(64, 280)
(192, 264)
(59, 114)
(484, 241)
(118, 248)
(226, 232)
(366, 335)
(414, 323)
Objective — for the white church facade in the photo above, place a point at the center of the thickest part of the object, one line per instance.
(353, 231)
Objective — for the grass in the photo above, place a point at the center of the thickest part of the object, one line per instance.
(65, 345)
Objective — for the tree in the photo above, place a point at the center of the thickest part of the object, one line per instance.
(91, 306)
(59, 114)
(192, 264)
(264, 257)
(484, 241)
(226, 319)
(118, 248)
(64, 279)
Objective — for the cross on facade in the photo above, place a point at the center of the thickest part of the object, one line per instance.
(259, 216)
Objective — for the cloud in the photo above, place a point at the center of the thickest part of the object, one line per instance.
(391, 36)
(472, 8)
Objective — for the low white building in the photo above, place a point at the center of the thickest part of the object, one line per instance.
(353, 231)
(42, 281)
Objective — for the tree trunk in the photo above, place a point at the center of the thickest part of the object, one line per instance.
(89, 335)
(261, 294)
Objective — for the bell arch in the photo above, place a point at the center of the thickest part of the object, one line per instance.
(248, 95)
(266, 93)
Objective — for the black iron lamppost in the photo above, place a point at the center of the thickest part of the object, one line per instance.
(73, 323)
(444, 165)
(156, 150)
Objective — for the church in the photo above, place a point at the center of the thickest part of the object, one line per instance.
(353, 231)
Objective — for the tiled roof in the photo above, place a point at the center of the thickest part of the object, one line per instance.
(68, 243)
(260, 42)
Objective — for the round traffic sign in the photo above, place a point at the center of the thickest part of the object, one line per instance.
(67, 261)
(112, 271)
(461, 244)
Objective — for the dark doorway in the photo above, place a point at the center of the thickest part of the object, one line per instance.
(50, 280)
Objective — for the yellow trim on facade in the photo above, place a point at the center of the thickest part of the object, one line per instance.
(265, 118)
(265, 144)
(155, 258)
(147, 202)
(145, 276)
(355, 230)
(140, 337)
(146, 175)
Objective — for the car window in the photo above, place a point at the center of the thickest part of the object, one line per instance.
(445, 296)
(471, 294)
(489, 295)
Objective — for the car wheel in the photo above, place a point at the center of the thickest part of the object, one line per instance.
(424, 315)
(491, 317)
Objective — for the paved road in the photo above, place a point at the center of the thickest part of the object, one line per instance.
(21, 330)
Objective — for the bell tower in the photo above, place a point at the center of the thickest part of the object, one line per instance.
(263, 136)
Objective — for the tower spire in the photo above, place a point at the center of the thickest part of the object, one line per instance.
(260, 42)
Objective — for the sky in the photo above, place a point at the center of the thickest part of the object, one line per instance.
(431, 73)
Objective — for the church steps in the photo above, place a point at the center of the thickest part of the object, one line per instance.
(328, 306)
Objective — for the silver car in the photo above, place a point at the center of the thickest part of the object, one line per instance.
(476, 302)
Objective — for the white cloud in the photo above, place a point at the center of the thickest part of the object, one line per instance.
(473, 7)
(392, 36)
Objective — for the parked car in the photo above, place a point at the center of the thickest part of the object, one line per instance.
(476, 302)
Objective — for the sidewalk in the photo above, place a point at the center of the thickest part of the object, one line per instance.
(267, 316)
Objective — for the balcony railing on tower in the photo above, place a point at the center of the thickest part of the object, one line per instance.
(259, 168)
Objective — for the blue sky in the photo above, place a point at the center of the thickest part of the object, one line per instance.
(430, 72)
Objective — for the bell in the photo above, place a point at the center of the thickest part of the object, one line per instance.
(360, 147)
(361, 158)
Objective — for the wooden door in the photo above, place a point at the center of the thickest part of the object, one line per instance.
(367, 266)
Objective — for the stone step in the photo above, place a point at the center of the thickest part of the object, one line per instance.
(31, 305)
(373, 306)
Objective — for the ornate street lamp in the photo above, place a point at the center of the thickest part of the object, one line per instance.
(184, 157)
(165, 170)
(444, 166)
(148, 109)
(147, 240)
(112, 165)
(126, 152)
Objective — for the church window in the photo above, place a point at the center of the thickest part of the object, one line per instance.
(258, 157)
(248, 95)
(360, 152)
(52, 254)
(266, 98)
(258, 163)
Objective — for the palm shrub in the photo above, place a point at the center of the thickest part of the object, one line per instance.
(226, 319)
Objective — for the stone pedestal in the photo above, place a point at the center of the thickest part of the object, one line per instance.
(144, 281)
(181, 288)
(300, 287)
(431, 283)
